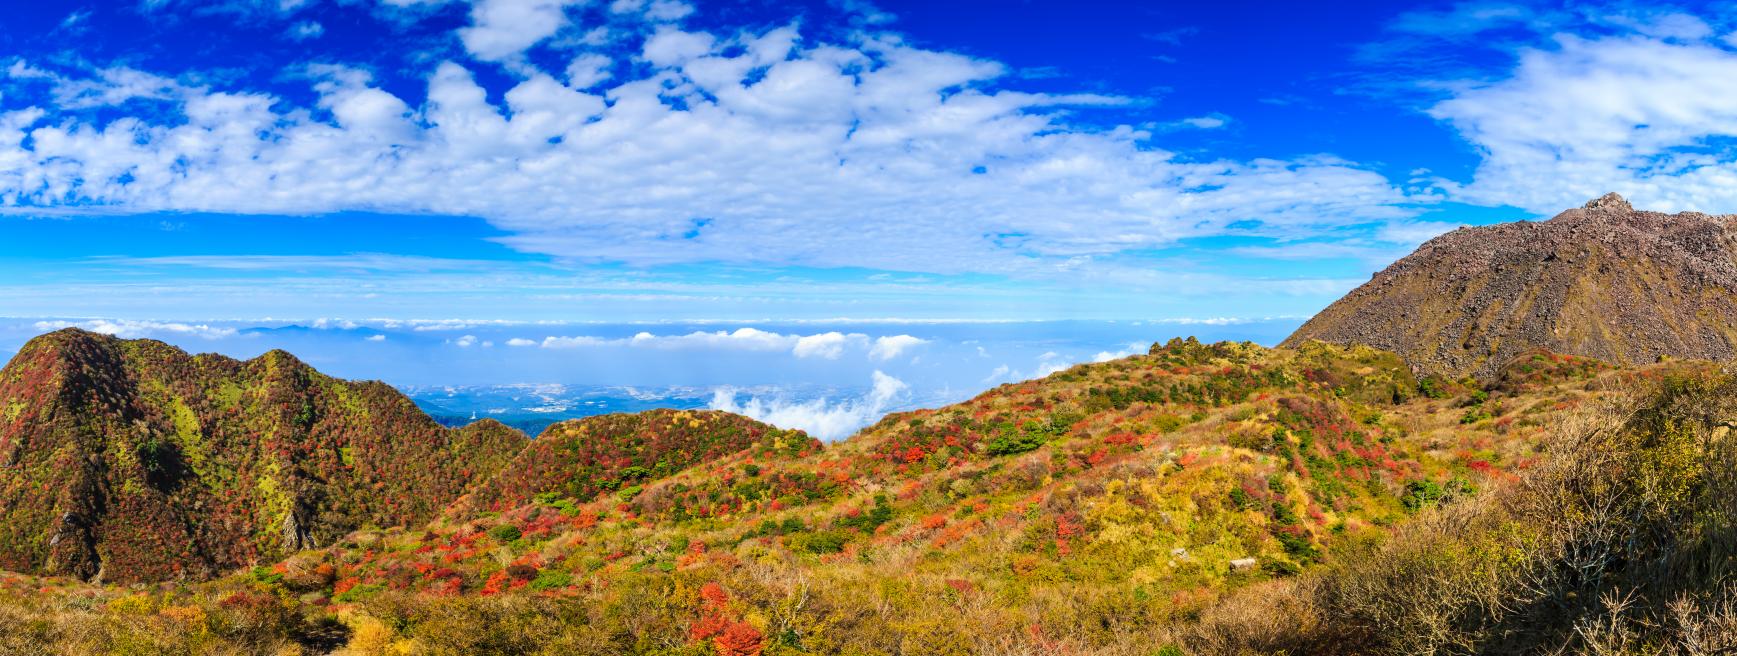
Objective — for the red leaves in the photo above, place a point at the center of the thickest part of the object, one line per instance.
(1097, 458)
(1067, 527)
(713, 597)
(739, 639)
(729, 637)
(345, 585)
(1121, 438)
(495, 583)
(708, 626)
(915, 455)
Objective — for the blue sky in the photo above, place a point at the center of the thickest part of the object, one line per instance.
(912, 200)
(671, 160)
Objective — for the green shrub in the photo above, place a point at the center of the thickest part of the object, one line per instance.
(266, 575)
(359, 593)
(506, 532)
(552, 579)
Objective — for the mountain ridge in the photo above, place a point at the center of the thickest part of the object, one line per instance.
(1604, 281)
(169, 465)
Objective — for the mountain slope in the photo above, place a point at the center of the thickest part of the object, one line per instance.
(1604, 281)
(1094, 507)
(582, 458)
(131, 460)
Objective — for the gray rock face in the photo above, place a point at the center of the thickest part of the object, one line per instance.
(1602, 281)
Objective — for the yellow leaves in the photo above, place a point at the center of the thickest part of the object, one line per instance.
(192, 619)
(1114, 535)
(12, 411)
(371, 637)
(134, 604)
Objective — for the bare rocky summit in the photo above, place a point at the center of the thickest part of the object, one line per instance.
(1604, 281)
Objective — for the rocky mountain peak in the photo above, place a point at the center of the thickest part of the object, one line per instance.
(1605, 281)
(1611, 202)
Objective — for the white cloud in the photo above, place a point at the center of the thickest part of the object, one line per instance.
(1584, 117)
(752, 339)
(1133, 348)
(1205, 122)
(671, 47)
(133, 329)
(828, 345)
(821, 418)
(1050, 363)
(571, 342)
(750, 148)
(324, 323)
(376, 338)
(588, 70)
(654, 10)
(889, 347)
(502, 29)
(306, 30)
(521, 342)
(824, 345)
(466, 341)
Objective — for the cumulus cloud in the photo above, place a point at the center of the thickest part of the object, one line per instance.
(1588, 116)
(466, 341)
(756, 147)
(822, 418)
(521, 342)
(133, 329)
(588, 70)
(889, 347)
(1133, 348)
(824, 345)
(752, 339)
(376, 338)
(1050, 363)
(502, 29)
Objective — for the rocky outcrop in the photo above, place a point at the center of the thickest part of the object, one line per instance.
(1604, 281)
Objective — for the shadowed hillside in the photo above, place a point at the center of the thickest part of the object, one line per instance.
(129, 460)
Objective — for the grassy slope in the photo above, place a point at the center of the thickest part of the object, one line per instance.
(1088, 510)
